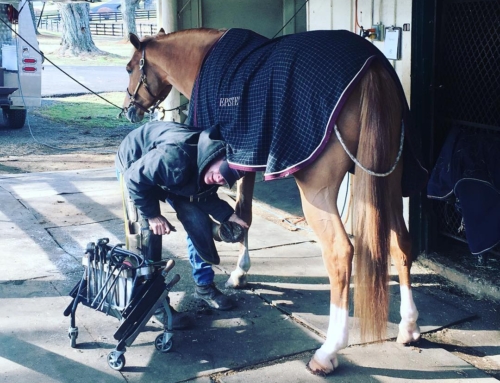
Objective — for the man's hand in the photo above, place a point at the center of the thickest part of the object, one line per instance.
(160, 225)
(238, 220)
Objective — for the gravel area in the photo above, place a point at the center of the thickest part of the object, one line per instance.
(42, 145)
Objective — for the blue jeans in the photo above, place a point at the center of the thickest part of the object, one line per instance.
(203, 274)
(200, 242)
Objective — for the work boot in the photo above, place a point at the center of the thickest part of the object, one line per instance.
(213, 297)
(180, 321)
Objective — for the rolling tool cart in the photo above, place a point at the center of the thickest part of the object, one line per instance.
(120, 283)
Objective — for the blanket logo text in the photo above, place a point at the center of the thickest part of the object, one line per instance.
(229, 101)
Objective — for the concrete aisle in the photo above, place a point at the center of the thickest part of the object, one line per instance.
(47, 219)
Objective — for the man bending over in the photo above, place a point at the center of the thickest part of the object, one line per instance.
(174, 163)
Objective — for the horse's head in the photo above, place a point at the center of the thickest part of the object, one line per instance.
(147, 86)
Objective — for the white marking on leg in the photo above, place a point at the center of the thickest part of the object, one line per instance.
(238, 276)
(408, 328)
(336, 338)
(244, 262)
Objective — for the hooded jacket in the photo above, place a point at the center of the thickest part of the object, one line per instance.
(161, 160)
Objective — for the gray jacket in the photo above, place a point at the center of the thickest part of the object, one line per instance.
(161, 160)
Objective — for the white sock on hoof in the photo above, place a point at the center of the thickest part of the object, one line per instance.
(327, 362)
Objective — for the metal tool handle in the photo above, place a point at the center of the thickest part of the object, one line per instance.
(169, 266)
(172, 283)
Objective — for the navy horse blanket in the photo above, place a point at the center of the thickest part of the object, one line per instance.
(467, 173)
(276, 101)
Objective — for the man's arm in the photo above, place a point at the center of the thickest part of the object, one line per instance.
(157, 167)
(220, 210)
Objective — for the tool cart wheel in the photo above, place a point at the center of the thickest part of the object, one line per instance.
(72, 335)
(163, 347)
(118, 364)
(72, 338)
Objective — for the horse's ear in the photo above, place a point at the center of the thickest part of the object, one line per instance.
(135, 41)
(161, 31)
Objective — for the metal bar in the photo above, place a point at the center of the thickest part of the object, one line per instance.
(130, 339)
(109, 289)
(103, 287)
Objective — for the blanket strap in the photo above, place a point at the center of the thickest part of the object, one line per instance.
(370, 172)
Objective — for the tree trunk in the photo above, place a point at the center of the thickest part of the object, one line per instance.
(128, 12)
(76, 38)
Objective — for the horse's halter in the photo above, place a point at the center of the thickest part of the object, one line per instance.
(143, 81)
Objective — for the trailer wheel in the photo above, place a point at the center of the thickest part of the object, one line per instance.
(14, 118)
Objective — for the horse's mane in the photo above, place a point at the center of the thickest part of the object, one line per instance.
(175, 34)
(146, 39)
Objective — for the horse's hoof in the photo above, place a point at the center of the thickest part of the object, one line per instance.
(408, 334)
(317, 368)
(236, 281)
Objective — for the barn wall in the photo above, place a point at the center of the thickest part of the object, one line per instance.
(340, 14)
(266, 17)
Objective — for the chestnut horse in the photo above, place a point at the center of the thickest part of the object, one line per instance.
(367, 133)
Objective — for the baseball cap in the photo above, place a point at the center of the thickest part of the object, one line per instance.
(230, 175)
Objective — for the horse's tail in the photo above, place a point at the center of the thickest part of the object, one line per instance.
(380, 120)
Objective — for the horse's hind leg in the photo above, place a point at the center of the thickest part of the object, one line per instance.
(401, 256)
(243, 209)
(319, 186)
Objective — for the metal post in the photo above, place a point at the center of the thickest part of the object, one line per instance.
(166, 18)
(41, 14)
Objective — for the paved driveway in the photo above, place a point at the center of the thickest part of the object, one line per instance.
(98, 79)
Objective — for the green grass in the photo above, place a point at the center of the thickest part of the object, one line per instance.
(87, 111)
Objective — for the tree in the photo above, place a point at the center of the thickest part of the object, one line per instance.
(76, 38)
(128, 13)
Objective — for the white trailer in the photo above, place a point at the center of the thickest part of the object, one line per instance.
(20, 65)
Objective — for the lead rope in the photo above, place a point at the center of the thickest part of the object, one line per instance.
(370, 172)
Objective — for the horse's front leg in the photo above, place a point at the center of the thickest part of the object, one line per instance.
(238, 277)
(243, 209)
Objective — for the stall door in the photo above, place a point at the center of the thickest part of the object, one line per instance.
(467, 95)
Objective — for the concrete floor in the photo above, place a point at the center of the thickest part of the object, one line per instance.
(47, 219)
